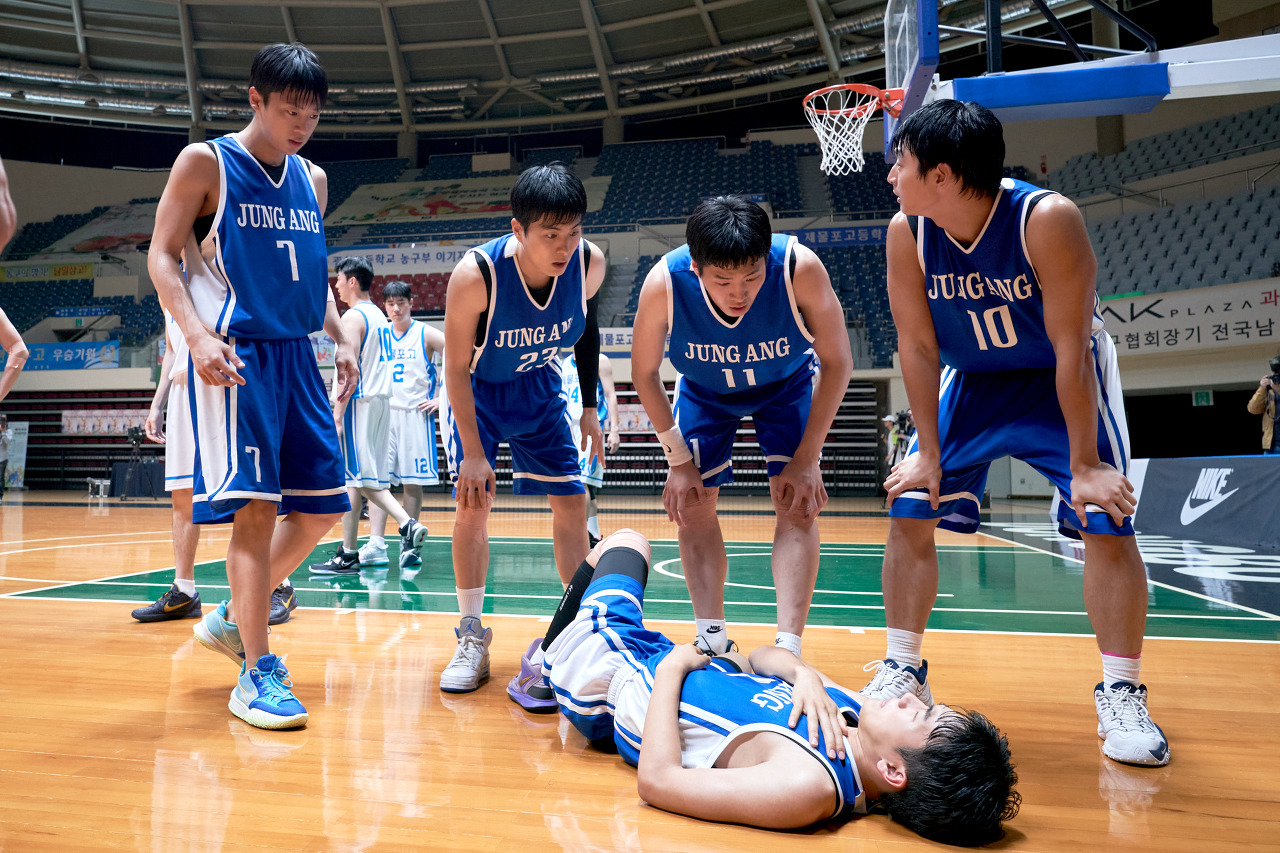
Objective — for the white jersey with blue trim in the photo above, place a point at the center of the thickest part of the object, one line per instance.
(716, 709)
(985, 298)
(376, 346)
(520, 335)
(413, 376)
(573, 392)
(180, 351)
(265, 276)
(767, 344)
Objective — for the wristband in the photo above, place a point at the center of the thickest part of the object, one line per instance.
(673, 446)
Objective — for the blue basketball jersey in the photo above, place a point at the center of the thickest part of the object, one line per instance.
(267, 278)
(985, 298)
(521, 335)
(725, 705)
(767, 344)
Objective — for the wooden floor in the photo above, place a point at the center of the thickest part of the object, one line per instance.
(116, 735)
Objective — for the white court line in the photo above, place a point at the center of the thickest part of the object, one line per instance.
(1270, 616)
(86, 536)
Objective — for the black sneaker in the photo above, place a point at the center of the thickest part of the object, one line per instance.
(174, 604)
(412, 534)
(343, 562)
(283, 602)
(593, 539)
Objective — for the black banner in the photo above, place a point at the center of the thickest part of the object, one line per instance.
(1221, 500)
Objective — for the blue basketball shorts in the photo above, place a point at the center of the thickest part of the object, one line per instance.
(709, 422)
(530, 413)
(270, 439)
(985, 416)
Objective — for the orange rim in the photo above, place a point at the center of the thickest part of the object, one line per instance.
(889, 99)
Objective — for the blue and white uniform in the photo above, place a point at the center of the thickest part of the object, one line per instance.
(591, 468)
(366, 421)
(516, 375)
(260, 281)
(760, 365)
(411, 443)
(179, 440)
(602, 669)
(998, 391)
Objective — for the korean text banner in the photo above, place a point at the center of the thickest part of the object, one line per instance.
(75, 356)
(1220, 316)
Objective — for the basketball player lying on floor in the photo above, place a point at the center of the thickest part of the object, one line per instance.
(771, 742)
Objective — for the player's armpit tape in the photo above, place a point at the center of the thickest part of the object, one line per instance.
(674, 447)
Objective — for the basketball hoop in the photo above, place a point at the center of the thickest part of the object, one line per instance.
(839, 115)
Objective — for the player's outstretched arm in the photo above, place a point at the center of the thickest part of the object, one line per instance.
(155, 416)
(777, 795)
(465, 301)
(799, 485)
(921, 367)
(648, 343)
(1058, 245)
(17, 350)
(191, 192)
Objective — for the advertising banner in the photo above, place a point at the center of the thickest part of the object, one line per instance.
(1219, 316)
(15, 474)
(861, 235)
(405, 259)
(77, 356)
(463, 198)
(125, 225)
(45, 272)
(1221, 500)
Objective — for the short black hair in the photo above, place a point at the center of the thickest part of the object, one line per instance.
(291, 69)
(357, 267)
(960, 784)
(1274, 364)
(549, 192)
(964, 135)
(397, 288)
(728, 231)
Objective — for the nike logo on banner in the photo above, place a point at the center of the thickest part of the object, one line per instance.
(1209, 489)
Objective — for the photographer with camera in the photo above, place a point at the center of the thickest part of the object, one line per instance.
(1263, 403)
(900, 432)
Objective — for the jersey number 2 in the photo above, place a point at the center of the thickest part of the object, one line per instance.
(1002, 338)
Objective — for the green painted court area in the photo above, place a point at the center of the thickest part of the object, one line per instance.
(1005, 588)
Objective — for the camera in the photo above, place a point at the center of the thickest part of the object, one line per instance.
(1274, 364)
(137, 435)
(902, 422)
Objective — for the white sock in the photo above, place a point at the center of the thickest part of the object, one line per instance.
(470, 602)
(378, 541)
(903, 647)
(712, 633)
(1121, 668)
(287, 582)
(186, 587)
(593, 526)
(790, 642)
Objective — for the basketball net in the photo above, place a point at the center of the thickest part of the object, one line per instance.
(839, 115)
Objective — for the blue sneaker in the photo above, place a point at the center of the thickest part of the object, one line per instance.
(263, 697)
(216, 634)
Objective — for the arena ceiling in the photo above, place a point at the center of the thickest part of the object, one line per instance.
(448, 65)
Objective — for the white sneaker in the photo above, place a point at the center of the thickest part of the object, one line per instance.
(469, 667)
(373, 555)
(1128, 732)
(893, 680)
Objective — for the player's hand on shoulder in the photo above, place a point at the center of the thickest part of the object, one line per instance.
(1103, 486)
(215, 361)
(684, 486)
(798, 490)
(917, 471)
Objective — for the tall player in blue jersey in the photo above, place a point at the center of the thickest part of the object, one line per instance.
(512, 305)
(249, 295)
(769, 742)
(751, 316)
(991, 283)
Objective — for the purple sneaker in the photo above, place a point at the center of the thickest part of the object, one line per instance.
(530, 689)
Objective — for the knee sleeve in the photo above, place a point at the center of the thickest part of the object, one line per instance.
(624, 552)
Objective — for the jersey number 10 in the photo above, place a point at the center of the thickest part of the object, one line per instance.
(1001, 338)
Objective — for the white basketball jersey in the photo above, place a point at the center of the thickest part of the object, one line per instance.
(375, 352)
(180, 352)
(410, 370)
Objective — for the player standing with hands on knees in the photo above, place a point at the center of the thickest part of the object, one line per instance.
(991, 283)
(751, 316)
(238, 258)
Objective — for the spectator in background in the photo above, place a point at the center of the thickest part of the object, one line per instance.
(1264, 402)
(6, 435)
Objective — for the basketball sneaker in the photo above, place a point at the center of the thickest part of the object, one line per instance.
(263, 696)
(409, 554)
(283, 602)
(343, 562)
(373, 554)
(1128, 732)
(469, 666)
(216, 634)
(412, 534)
(529, 688)
(174, 604)
(701, 642)
(893, 680)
